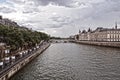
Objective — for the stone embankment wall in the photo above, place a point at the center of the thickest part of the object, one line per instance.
(21, 63)
(106, 44)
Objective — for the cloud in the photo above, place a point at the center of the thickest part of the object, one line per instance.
(28, 9)
(109, 9)
(62, 17)
(56, 2)
(60, 21)
(17, 1)
(6, 10)
(65, 3)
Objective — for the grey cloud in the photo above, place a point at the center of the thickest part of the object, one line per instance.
(60, 21)
(18, 1)
(6, 10)
(32, 21)
(28, 6)
(102, 10)
(66, 3)
(57, 2)
(108, 6)
(55, 25)
(30, 10)
(93, 14)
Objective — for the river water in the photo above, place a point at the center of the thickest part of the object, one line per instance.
(69, 61)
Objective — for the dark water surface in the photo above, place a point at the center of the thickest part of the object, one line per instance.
(69, 61)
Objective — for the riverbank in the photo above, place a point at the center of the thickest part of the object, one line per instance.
(70, 61)
(105, 44)
(6, 73)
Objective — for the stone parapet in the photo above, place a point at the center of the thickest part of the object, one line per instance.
(106, 44)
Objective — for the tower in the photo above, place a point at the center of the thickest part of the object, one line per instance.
(79, 31)
(115, 25)
(0, 17)
(89, 30)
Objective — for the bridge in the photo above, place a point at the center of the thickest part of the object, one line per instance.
(59, 40)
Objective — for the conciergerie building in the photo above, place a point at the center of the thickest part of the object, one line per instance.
(100, 34)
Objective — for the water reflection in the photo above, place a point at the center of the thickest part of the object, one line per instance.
(69, 61)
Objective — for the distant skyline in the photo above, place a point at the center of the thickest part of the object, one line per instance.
(62, 18)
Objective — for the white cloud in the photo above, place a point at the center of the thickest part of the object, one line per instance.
(62, 17)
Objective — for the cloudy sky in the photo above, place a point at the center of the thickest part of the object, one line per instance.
(62, 17)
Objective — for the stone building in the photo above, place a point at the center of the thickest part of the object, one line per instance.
(7, 22)
(4, 53)
(2, 49)
(100, 34)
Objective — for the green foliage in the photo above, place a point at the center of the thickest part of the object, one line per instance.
(22, 38)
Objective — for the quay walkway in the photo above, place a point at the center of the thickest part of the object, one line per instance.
(38, 49)
(98, 43)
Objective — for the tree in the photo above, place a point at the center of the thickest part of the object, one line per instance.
(17, 37)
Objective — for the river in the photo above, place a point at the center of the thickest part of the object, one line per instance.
(70, 61)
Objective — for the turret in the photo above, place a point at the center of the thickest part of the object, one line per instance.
(79, 31)
(89, 30)
(84, 31)
(0, 17)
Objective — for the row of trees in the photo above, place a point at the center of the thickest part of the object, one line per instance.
(20, 38)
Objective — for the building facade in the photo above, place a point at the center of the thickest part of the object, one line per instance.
(100, 34)
(7, 22)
